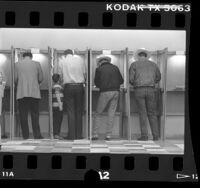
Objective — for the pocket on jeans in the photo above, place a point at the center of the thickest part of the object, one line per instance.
(138, 93)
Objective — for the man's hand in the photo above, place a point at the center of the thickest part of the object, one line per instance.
(125, 90)
(61, 107)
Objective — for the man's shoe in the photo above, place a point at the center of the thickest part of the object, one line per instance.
(143, 138)
(4, 136)
(95, 138)
(155, 138)
(39, 137)
(108, 138)
(67, 138)
(58, 137)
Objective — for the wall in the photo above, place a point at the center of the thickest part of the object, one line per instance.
(0, 39)
(81, 39)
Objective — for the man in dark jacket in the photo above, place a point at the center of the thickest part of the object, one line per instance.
(108, 79)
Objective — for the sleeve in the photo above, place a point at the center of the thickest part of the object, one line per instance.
(60, 69)
(132, 73)
(3, 75)
(121, 80)
(84, 71)
(97, 78)
(158, 75)
(16, 72)
(40, 73)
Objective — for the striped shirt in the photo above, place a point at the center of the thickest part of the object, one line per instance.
(57, 90)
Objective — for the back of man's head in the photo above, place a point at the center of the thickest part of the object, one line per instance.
(27, 54)
(68, 51)
(142, 54)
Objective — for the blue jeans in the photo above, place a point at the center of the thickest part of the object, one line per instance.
(106, 98)
(147, 107)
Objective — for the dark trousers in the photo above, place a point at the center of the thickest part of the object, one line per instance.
(25, 104)
(147, 107)
(57, 120)
(73, 97)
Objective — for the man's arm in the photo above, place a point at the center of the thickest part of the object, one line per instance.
(97, 78)
(132, 73)
(40, 73)
(158, 75)
(60, 70)
(121, 80)
(16, 72)
(84, 72)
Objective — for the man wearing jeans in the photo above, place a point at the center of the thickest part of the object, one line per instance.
(144, 75)
(108, 79)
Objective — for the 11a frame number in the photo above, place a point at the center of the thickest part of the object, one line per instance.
(8, 174)
(105, 175)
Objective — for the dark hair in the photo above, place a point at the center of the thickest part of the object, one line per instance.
(142, 54)
(68, 51)
(29, 54)
(56, 78)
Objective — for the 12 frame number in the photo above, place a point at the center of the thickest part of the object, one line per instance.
(105, 175)
(7, 174)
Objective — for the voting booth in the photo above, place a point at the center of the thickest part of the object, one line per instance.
(83, 56)
(118, 59)
(170, 93)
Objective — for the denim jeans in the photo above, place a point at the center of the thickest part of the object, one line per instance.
(57, 120)
(106, 98)
(147, 107)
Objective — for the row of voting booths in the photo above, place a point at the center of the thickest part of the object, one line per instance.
(170, 93)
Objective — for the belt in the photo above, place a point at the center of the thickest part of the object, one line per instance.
(74, 84)
(144, 87)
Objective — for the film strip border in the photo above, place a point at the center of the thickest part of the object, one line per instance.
(106, 166)
(82, 167)
(94, 15)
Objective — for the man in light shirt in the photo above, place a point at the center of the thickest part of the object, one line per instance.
(73, 73)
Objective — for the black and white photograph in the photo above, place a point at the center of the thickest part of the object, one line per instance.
(92, 91)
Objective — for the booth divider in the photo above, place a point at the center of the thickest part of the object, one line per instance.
(50, 66)
(12, 103)
(128, 111)
(90, 92)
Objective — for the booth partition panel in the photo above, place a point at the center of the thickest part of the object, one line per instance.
(43, 57)
(175, 88)
(5, 93)
(104, 104)
(158, 57)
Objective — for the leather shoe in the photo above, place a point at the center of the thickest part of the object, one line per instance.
(39, 137)
(143, 138)
(155, 138)
(95, 138)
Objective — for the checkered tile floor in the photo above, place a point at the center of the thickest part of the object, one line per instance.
(85, 146)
